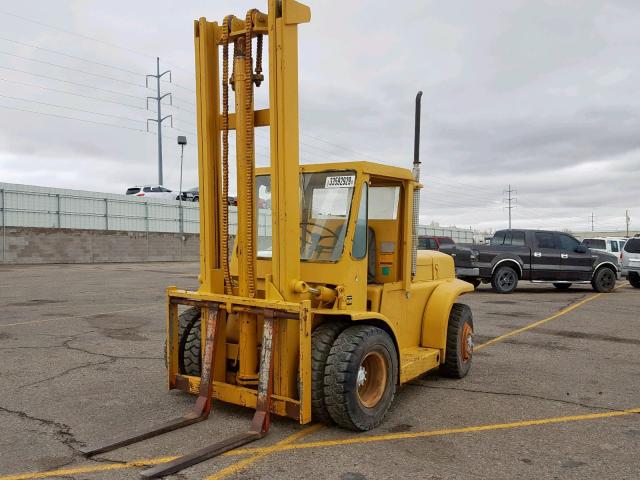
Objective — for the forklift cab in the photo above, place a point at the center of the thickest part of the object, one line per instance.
(354, 226)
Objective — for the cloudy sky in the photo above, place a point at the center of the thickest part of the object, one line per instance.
(542, 95)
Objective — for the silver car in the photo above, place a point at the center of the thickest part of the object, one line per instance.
(631, 261)
(153, 191)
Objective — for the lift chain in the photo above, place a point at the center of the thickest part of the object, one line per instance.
(249, 153)
(258, 78)
(224, 250)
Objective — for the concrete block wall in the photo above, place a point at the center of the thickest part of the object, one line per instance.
(29, 245)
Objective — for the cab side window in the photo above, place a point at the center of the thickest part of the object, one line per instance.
(545, 240)
(568, 243)
(518, 239)
(614, 246)
(498, 238)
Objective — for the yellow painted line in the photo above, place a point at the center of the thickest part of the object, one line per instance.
(105, 467)
(435, 433)
(360, 439)
(559, 313)
(44, 320)
(242, 464)
(564, 311)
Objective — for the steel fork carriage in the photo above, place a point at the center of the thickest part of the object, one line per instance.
(215, 311)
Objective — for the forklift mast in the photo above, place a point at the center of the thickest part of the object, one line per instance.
(214, 122)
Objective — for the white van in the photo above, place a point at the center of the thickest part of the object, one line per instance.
(612, 245)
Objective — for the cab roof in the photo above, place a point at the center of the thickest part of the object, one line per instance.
(371, 168)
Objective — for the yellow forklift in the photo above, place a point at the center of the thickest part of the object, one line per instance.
(323, 306)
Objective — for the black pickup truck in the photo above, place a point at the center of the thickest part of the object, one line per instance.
(535, 255)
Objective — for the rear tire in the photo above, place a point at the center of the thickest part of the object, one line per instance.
(459, 352)
(504, 280)
(562, 286)
(360, 377)
(189, 346)
(634, 279)
(604, 280)
(322, 340)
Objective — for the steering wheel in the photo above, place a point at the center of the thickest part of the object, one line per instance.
(313, 239)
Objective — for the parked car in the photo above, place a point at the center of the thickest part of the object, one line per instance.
(631, 261)
(428, 242)
(537, 256)
(191, 195)
(613, 245)
(153, 191)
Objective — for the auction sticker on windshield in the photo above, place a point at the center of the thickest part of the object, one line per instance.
(340, 181)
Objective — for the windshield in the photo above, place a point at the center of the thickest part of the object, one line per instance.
(325, 205)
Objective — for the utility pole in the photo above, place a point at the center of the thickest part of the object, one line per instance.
(627, 219)
(159, 119)
(510, 200)
(592, 219)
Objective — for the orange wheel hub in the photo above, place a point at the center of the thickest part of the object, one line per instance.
(466, 342)
(372, 379)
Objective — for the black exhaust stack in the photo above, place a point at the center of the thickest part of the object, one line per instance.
(416, 191)
(416, 136)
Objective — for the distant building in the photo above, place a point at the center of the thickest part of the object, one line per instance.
(617, 233)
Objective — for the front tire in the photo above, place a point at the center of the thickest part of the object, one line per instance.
(322, 339)
(604, 280)
(562, 286)
(634, 279)
(459, 342)
(360, 377)
(504, 280)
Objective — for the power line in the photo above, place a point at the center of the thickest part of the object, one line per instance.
(184, 131)
(76, 119)
(188, 89)
(70, 32)
(86, 37)
(84, 85)
(77, 70)
(22, 84)
(57, 52)
(183, 109)
(70, 108)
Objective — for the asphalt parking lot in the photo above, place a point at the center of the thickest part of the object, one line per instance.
(554, 391)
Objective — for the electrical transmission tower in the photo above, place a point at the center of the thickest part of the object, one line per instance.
(627, 219)
(159, 118)
(592, 220)
(510, 201)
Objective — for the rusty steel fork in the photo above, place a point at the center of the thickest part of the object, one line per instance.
(260, 423)
(201, 408)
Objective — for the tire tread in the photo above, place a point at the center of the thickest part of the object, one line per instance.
(322, 340)
(450, 367)
(337, 375)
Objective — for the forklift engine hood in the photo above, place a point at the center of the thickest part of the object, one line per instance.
(433, 265)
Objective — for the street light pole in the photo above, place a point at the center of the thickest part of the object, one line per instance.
(182, 141)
